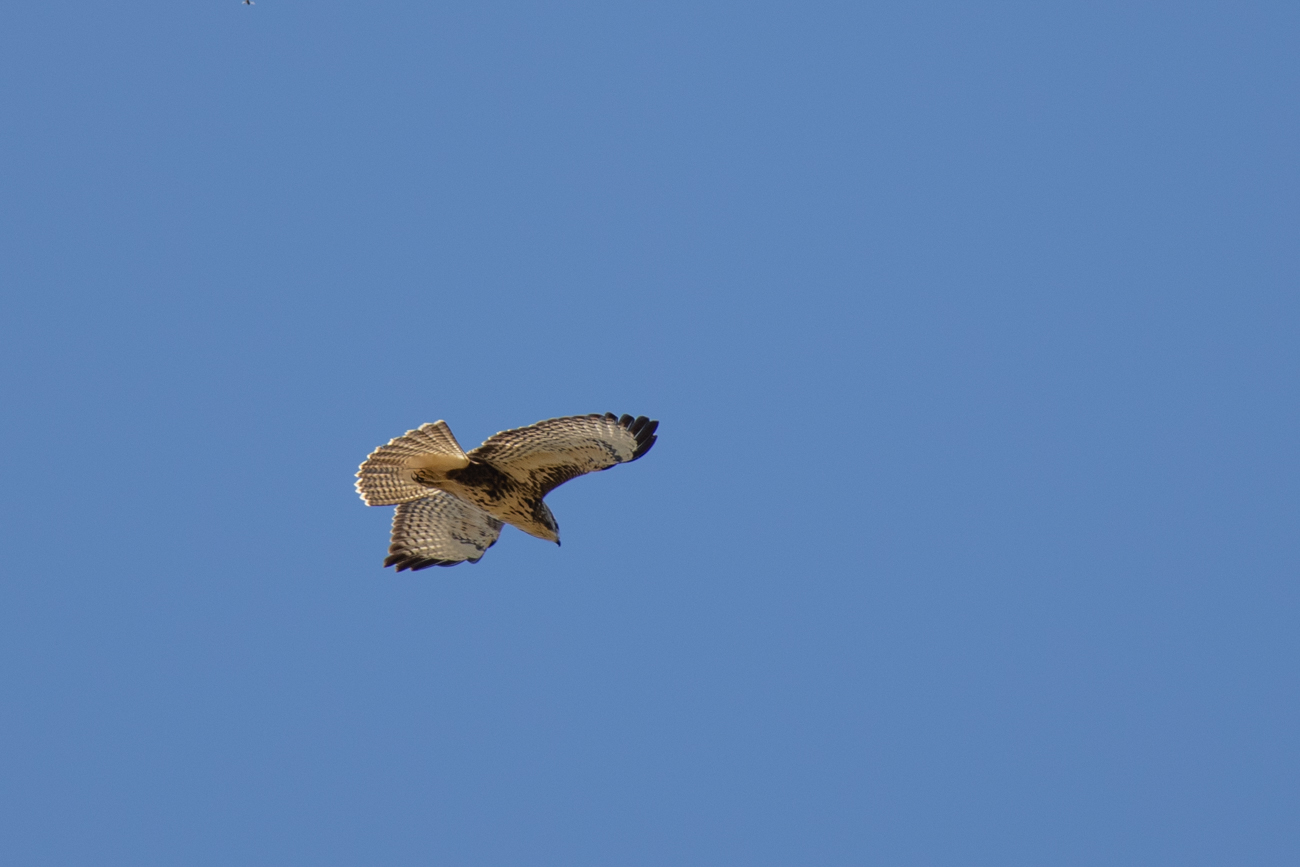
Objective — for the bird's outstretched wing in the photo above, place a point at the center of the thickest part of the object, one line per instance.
(549, 453)
(440, 530)
(385, 478)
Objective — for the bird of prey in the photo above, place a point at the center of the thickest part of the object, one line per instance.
(451, 505)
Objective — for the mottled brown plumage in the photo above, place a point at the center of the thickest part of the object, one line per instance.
(451, 505)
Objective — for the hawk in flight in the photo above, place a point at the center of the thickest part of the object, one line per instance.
(451, 505)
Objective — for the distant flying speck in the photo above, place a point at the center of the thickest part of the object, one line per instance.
(451, 505)
(249, 3)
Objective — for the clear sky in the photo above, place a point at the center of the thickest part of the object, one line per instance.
(971, 532)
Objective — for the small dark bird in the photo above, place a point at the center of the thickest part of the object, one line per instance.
(249, 3)
(451, 505)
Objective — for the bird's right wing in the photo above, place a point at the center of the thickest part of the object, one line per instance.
(386, 477)
(551, 452)
(440, 530)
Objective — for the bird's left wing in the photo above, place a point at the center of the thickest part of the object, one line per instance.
(440, 530)
(551, 452)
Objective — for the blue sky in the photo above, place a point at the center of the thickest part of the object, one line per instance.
(969, 538)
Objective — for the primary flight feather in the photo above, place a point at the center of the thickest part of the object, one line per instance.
(451, 505)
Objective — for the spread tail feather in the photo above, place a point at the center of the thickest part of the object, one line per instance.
(386, 478)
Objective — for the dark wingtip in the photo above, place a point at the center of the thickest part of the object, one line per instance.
(643, 429)
(403, 560)
(644, 447)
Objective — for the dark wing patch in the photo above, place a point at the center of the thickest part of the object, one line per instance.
(440, 530)
(644, 431)
(551, 452)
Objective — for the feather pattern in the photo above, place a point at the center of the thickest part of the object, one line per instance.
(387, 476)
(425, 473)
(440, 530)
(574, 445)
